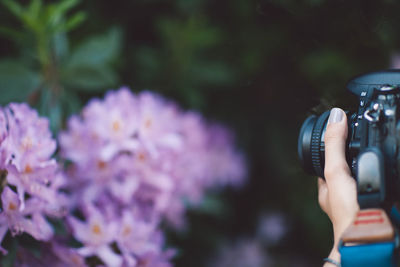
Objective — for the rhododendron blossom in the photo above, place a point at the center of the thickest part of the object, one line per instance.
(30, 176)
(135, 159)
(131, 162)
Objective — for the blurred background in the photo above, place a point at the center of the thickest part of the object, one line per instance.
(258, 66)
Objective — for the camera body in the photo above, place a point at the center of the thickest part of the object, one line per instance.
(373, 142)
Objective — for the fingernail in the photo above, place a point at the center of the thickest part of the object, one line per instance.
(336, 115)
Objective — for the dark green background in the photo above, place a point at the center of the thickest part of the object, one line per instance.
(260, 67)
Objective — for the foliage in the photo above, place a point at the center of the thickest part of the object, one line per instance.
(48, 72)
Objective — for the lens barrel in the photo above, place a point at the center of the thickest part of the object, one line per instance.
(311, 145)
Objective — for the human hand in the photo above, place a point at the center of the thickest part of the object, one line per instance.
(337, 194)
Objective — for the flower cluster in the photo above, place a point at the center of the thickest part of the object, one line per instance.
(134, 159)
(30, 179)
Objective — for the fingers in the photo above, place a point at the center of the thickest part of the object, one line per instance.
(335, 146)
(322, 194)
(337, 195)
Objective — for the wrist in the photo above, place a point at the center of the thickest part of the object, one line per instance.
(338, 231)
(334, 255)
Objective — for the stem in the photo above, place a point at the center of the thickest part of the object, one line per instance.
(51, 80)
(49, 66)
(42, 48)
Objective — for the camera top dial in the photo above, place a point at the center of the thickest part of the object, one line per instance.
(382, 81)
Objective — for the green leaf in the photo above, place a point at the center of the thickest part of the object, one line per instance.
(11, 33)
(60, 45)
(56, 12)
(49, 106)
(89, 78)
(71, 102)
(34, 8)
(17, 81)
(213, 204)
(75, 21)
(55, 118)
(65, 5)
(32, 21)
(97, 50)
(14, 7)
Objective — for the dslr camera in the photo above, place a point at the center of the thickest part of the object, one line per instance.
(373, 142)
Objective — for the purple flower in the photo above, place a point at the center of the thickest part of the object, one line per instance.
(30, 220)
(26, 147)
(135, 160)
(142, 232)
(96, 231)
(272, 228)
(97, 235)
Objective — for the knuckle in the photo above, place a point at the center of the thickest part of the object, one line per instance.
(333, 170)
(328, 172)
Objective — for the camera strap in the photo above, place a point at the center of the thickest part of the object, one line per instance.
(370, 240)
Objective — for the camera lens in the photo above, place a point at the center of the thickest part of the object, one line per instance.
(311, 146)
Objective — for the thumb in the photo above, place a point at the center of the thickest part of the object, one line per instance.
(335, 146)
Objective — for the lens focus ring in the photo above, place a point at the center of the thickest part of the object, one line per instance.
(317, 145)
